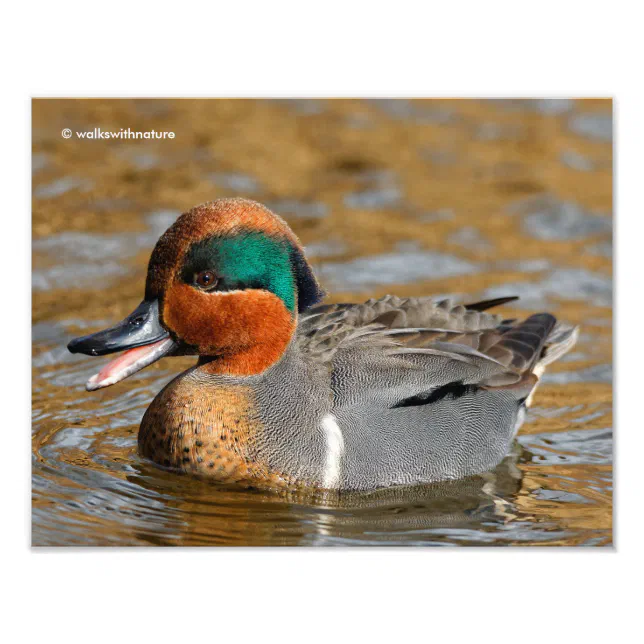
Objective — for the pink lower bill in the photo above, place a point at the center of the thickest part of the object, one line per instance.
(128, 363)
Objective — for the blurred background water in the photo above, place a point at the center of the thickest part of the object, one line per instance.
(466, 198)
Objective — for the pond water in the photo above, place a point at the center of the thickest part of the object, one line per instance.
(467, 198)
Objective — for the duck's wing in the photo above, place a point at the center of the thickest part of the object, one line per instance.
(322, 329)
(394, 351)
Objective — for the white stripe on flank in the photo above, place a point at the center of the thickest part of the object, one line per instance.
(334, 451)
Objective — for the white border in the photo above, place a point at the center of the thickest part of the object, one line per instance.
(321, 49)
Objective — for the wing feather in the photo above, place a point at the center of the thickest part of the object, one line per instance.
(394, 348)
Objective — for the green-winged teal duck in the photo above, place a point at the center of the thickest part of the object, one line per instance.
(291, 393)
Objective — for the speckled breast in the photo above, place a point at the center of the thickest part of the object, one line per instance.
(208, 429)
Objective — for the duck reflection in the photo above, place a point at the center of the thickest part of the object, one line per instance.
(199, 512)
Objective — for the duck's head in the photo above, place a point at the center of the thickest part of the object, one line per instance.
(226, 281)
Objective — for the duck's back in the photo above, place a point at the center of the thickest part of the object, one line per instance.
(424, 390)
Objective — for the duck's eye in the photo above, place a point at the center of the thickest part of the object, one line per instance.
(205, 280)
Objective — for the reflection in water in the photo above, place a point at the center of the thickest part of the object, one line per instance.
(151, 507)
(476, 198)
(394, 516)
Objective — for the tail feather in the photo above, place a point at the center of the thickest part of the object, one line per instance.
(527, 349)
(520, 347)
(561, 339)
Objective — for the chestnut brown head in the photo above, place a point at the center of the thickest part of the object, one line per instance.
(226, 281)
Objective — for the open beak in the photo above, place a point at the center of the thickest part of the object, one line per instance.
(140, 335)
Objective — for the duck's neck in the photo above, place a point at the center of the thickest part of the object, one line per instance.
(253, 358)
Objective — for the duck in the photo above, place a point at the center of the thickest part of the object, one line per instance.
(290, 393)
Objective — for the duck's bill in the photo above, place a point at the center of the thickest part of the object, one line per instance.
(140, 336)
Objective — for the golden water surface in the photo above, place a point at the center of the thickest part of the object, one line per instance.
(468, 198)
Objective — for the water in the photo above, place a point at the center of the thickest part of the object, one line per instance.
(466, 198)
